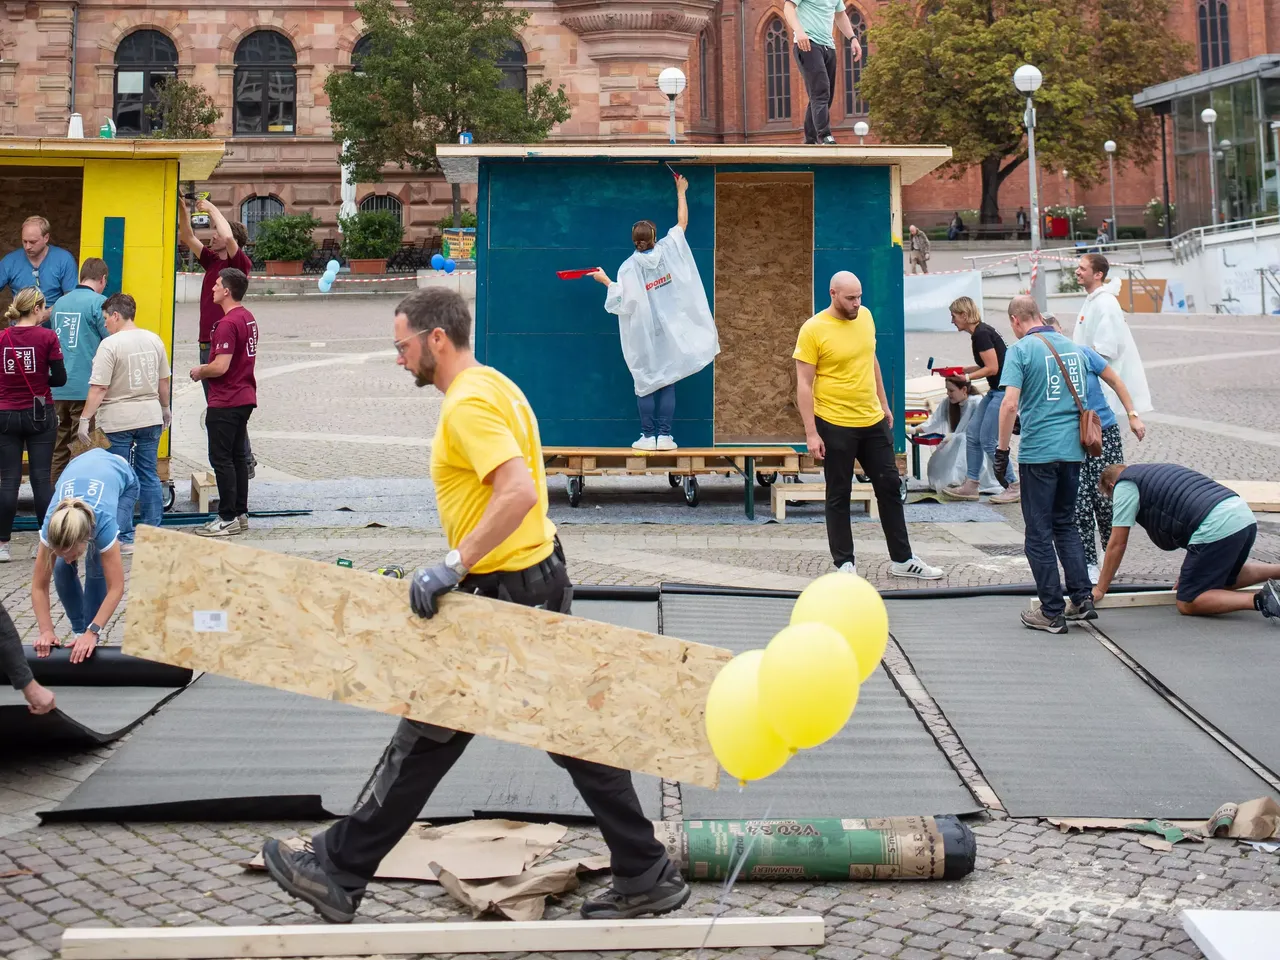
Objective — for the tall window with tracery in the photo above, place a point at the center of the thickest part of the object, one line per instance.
(1215, 35)
(777, 71)
(854, 105)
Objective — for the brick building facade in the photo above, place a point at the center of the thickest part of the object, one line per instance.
(266, 68)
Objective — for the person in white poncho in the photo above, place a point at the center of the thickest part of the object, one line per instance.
(948, 464)
(664, 321)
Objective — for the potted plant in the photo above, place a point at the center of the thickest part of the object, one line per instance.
(285, 243)
(369, 238)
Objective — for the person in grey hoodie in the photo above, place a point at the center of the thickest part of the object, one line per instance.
(13, 664)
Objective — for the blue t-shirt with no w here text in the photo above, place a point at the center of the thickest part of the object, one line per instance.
(1050, 418)
(77, 320)
(98, 478)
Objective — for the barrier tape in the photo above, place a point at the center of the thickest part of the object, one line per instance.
(403, 278)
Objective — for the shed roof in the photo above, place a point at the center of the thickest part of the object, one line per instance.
(196, 158)
(1265, 65)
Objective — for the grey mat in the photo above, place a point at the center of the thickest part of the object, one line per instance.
(1059, 726)
(884, 763)
(84, 716)
(636, 614)
(1220, 666)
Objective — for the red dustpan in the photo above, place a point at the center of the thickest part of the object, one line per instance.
(576, 274)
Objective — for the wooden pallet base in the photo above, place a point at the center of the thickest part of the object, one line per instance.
(204, 490)
(784, 493)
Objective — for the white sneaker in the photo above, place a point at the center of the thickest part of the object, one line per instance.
(848, 566)
(218, 528)
(4, 553)
(243, 520)
(917, 568)
(645, 443)
(1094, 572)
(666, 442)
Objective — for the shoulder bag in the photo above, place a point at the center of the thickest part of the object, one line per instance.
(1090, 425)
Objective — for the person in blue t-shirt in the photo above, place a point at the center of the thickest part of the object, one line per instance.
(1049, 458)
(77, 320)
(1182, 509)
(38, 263)
(96, 495)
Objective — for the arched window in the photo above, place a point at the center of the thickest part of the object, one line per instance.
(1215, 36)
(854, 105)
(266, 84)
(376, 203)
(777, 71)
(256, 209)
(145, 59)
(360, 51)
(514, 63)
(704, 109)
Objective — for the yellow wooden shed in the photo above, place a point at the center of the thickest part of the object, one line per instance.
(114, 199)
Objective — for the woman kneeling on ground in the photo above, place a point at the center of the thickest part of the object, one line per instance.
(98, 492)
(952, 421)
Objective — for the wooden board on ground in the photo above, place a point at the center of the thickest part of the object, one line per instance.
(1262, 496)
(1234, 934)
(571, 686)
(1145, 598)
(364, 939)
(784, 493)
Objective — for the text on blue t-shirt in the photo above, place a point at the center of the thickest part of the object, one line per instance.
(98, 478)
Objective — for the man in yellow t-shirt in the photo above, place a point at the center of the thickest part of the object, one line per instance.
(491, 491)
(847, 417)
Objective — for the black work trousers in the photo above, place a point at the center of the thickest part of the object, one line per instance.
(420, 754)
(205, 350)
(818, 68)
(228, 430)
(873, 448)
(20, 430)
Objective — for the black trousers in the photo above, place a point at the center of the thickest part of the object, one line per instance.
(204, 358)
(873, 448)
(420, 754)
(818, 68)
(20, 430)
(228, 430)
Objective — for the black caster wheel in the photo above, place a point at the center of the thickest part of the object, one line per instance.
(575, 491)
(673, 479)
(766, 479)
(170, 495)
(691, 491)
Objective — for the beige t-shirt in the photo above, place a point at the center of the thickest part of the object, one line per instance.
(130, 364)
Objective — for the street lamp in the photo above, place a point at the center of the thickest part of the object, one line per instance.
(671, 81)
(1210, 116)
(1110, 147)
(1028, 79)
(861, 129)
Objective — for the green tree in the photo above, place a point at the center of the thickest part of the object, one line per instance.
(429, 75)
(182, 111)
(942, 72)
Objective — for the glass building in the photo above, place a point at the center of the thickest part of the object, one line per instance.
(1246, 96)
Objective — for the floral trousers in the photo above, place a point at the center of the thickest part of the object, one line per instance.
(1091, 505)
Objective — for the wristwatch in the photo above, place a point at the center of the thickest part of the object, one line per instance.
(453, 560)
(94, 629)
(1132, 414)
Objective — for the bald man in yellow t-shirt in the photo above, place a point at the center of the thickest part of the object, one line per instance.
(847, 417)
(491, 491)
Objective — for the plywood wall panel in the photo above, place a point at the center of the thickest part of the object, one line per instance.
(590, 690)
(764, 292)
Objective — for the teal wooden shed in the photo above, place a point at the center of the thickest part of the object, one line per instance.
(768, 225)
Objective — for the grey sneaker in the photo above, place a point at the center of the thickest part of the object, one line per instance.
(253, 469)
(1269, 600)
(243, 520)
(1084, 610)
(218, 528)
(669, 893)
(1036, 620)
(299, 872)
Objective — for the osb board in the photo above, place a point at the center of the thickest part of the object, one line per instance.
(764, 292)
(571, 686)
(1263, 496)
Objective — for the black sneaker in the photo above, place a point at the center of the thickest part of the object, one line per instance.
(829, 141)
(1269, 600)
(300, 873)
(253, 469)
(1036, 620)
(1084, 610)
(669, 893)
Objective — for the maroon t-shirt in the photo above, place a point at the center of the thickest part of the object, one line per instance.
(25, 353)
(236, 334)
(210, 312)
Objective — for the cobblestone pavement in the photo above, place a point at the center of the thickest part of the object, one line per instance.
(334, 405)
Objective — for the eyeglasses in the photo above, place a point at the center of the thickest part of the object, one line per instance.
(401, 344)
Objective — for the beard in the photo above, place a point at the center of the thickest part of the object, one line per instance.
(425, 375)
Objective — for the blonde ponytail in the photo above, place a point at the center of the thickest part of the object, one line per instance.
(71, 523)
(25, 302)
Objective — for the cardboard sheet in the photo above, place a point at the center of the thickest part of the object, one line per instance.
(523, 897)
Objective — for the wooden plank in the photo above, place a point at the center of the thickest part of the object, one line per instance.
(1262, 496)
(572, 686)
(1234, 934)
(623, 452)
(1145, 598)
(784, 493)
(204, 486)
(363, 939)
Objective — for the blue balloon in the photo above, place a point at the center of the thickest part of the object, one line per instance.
(333, 266)
(331, 275)
(450, 266)
(325, 283)
(437, 262)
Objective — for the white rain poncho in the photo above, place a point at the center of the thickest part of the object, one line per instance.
(664, 320)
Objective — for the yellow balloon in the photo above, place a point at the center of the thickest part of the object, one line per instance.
(852, 606)
(744, 743)
(808, 683)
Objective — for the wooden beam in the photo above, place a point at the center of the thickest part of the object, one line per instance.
(362, 939)
(571, 686)
(1146, 598)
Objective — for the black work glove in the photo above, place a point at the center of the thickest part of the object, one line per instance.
(1002, 467)
(428, 584)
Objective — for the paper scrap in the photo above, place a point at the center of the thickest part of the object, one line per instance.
(472, 850)
(523, 897)
(1256, 844)
(1155, 843)
(1252, 820)
(1173, 831)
